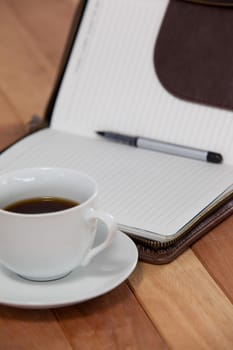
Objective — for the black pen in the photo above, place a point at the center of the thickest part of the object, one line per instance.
(165, 147)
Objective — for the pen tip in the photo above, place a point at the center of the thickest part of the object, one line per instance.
(214, 157)
(101, 133)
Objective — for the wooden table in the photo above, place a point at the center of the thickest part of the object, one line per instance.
(183, 305)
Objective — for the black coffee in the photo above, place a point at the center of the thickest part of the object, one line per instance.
(40, 205)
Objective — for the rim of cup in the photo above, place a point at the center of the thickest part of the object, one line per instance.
(49, 168)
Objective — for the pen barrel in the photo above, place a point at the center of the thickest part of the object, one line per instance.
(172, 149)
(120, 138)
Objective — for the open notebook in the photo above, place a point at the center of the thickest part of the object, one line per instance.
(109, 83)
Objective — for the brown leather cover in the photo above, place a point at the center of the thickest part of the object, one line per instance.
(194, 53)
(163, 255)
(213, 2)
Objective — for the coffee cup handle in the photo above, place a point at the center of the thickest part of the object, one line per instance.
(108, 220)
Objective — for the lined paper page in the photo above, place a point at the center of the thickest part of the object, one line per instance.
(150, 191)
(110, 82)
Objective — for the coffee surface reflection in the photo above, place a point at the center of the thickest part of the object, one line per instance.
(40, 205)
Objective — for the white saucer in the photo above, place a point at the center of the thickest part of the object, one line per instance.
(104, 273)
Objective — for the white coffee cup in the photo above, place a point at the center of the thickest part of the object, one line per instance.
(50, 245)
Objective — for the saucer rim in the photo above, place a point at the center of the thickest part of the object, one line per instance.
(100, 290)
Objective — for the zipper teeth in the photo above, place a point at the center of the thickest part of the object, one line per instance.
(152, 244)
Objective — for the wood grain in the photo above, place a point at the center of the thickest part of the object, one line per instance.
(114, 321)
(32, 36)
(12, 127)
(111, 322)
(215, 251)
(30, 329)
(185, 303)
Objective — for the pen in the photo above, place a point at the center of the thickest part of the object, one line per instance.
(161, 146)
